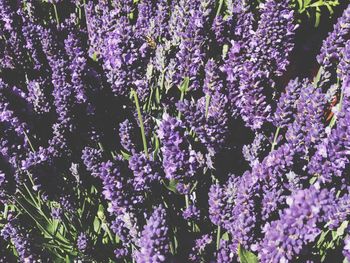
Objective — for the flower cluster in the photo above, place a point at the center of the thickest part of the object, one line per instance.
(172, 131)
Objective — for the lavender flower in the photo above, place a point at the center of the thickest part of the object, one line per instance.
(121, 252)
(179, 160)
(256, 196)
(22, 241)
(145, 24)
(346, 249)
(245, 21)
(210, 123)
(308, 128)
(332, 156)
(298, 225)
(286, 106)
(31, 31)
(344, 63)
(76, 54)
(92, 159)
(128, 135)
(268, 53)
(161, 20)
(332, 46)
(62, 91)
(200, 245)
(340, 212)
(96, 26)
(145, 171)
(216, 204)
(115, 187)
(125, 60)
(154, 240)
(191, 213)
(10, 27)
(56, 213)
(225, 253)
(37, 89)
(218, 28)
(233, 68)
(190, 57)
(212, 81)
(252, 152)
(83, 242)
(3, 186)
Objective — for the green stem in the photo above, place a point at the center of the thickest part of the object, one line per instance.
(6, 210)
(56, 14)
(149, 103)
(162, 78)
(30, 179)
(106, 228)
(79, 13)
(143, 135)
(182, 96)
(65, 242)
(175, 242)
(31, 196)
(218, 236)
(207, 103)
(35, 203)
(341, 95)
(132, 250)
(219, 7)
(318, 76)
(186, 201)
(30, 143)
(101, 146)
(172, 248)
(274, 143)
(334, 118)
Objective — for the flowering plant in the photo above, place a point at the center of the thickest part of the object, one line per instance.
(173, 131)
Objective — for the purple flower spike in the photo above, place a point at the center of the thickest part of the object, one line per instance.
(154, 241)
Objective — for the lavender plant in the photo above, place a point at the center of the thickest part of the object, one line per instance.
(173, 131)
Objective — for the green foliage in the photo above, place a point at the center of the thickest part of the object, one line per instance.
(246, 256)
(314, 9)
(329, 240)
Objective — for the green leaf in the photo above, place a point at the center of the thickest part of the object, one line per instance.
(156, 146)
(246, 256)
(340, 231)
(171, 186)
(330, 8)
(125, 155)
(317, 16)
(97, 225)
(225, 49)
(184, 85)
(101, 213)
(307, 2)
(317, 4)
(301, 4)
(318, 76)
(157, 95)
(94, 57)
(313, 179)
(117, 239)
(322, 238)
(225, 236)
